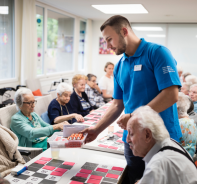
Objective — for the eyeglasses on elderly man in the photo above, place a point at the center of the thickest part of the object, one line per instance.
(166, 161)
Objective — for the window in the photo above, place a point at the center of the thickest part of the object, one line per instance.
(7, 62)
(81, 45)
(40, 39)
(60, 38)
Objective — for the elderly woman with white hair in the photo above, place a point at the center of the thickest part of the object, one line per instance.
(60, 109)
(166, 161)
(191, 79)
(30, 129)
(188, 126)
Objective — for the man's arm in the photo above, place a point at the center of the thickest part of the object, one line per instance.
(165, 99)
(111, 115)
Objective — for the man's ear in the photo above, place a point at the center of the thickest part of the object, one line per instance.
(124, 31)
(149, 135)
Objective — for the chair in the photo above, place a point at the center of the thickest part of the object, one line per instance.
(53, 94)
(5, 119)
(34, 84)
(42, 104)
(45, 117)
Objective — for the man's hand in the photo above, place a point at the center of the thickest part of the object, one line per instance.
(92, 134)
(122, 121)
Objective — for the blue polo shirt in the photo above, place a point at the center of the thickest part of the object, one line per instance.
(138, 79)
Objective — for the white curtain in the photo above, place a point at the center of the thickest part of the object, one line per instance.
(28, 41)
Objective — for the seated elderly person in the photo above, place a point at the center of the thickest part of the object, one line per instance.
(30, 129)
(191, 79)
(93, 92)
(193, 95)
(185, 88)
(79, 99)
(166, 161)
(60, 109)
(188, 126)
(190, 111)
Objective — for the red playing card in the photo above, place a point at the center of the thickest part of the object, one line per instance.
(83, 175)
(49, 167)
(61, 170)
(45, 158)
(102, 145)
(93, 181)
(112, 147)
(120, 130)
(117, 168)
(112, 176)
(75, 182)
(96, 177)
(102, 170)
(40, 162)
(119, 135)
(89, 116)
(91, 120)
(57, 173)
(119, 141)
(69, 163)
(85, 171)
(86, 123)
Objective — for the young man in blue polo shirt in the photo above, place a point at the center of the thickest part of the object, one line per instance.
(145, 75)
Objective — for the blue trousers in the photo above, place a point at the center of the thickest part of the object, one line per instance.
(136, 165)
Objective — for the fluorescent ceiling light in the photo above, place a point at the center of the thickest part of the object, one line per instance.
(148, 28)
(156, 35)
(121, 8)
(4, 9)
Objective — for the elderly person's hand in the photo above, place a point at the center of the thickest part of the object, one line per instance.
(122, 121)
(60, 126)
(79, 118)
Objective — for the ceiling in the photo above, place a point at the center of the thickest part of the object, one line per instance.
(184, 11)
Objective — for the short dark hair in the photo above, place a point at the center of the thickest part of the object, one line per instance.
(117, 22)
(90, 76)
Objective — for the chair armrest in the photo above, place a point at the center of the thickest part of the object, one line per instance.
(34, 151)
(24, 152)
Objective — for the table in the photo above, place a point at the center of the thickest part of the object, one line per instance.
(80, 156)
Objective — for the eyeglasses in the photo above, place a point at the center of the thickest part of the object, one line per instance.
(31, 103)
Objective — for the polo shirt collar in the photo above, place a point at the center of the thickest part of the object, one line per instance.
(152, 152)
(139, 50)
(195, 102)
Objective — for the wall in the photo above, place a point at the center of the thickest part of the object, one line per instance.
(98, 61)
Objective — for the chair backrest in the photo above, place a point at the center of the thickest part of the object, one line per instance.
(34, 84)
(45, 117)
(6, 113)
(42, 104)
(53, 94)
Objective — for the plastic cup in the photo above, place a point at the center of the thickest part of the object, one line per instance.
(110, 130)
(55, 153)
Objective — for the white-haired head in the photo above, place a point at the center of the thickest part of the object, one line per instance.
(191, 79)
(149, 119)
(185, 88)
(183, 104)
(63, 87)
(19, 96)
(179, 68)
(194, 85)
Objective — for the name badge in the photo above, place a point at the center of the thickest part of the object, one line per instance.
(137, 67)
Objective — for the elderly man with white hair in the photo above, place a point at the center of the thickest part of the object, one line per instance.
(30, 129)
(166, 161)
(193, 95)
(188, 126)
(60, 109)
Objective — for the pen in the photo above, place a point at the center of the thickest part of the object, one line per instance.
(22, 170)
